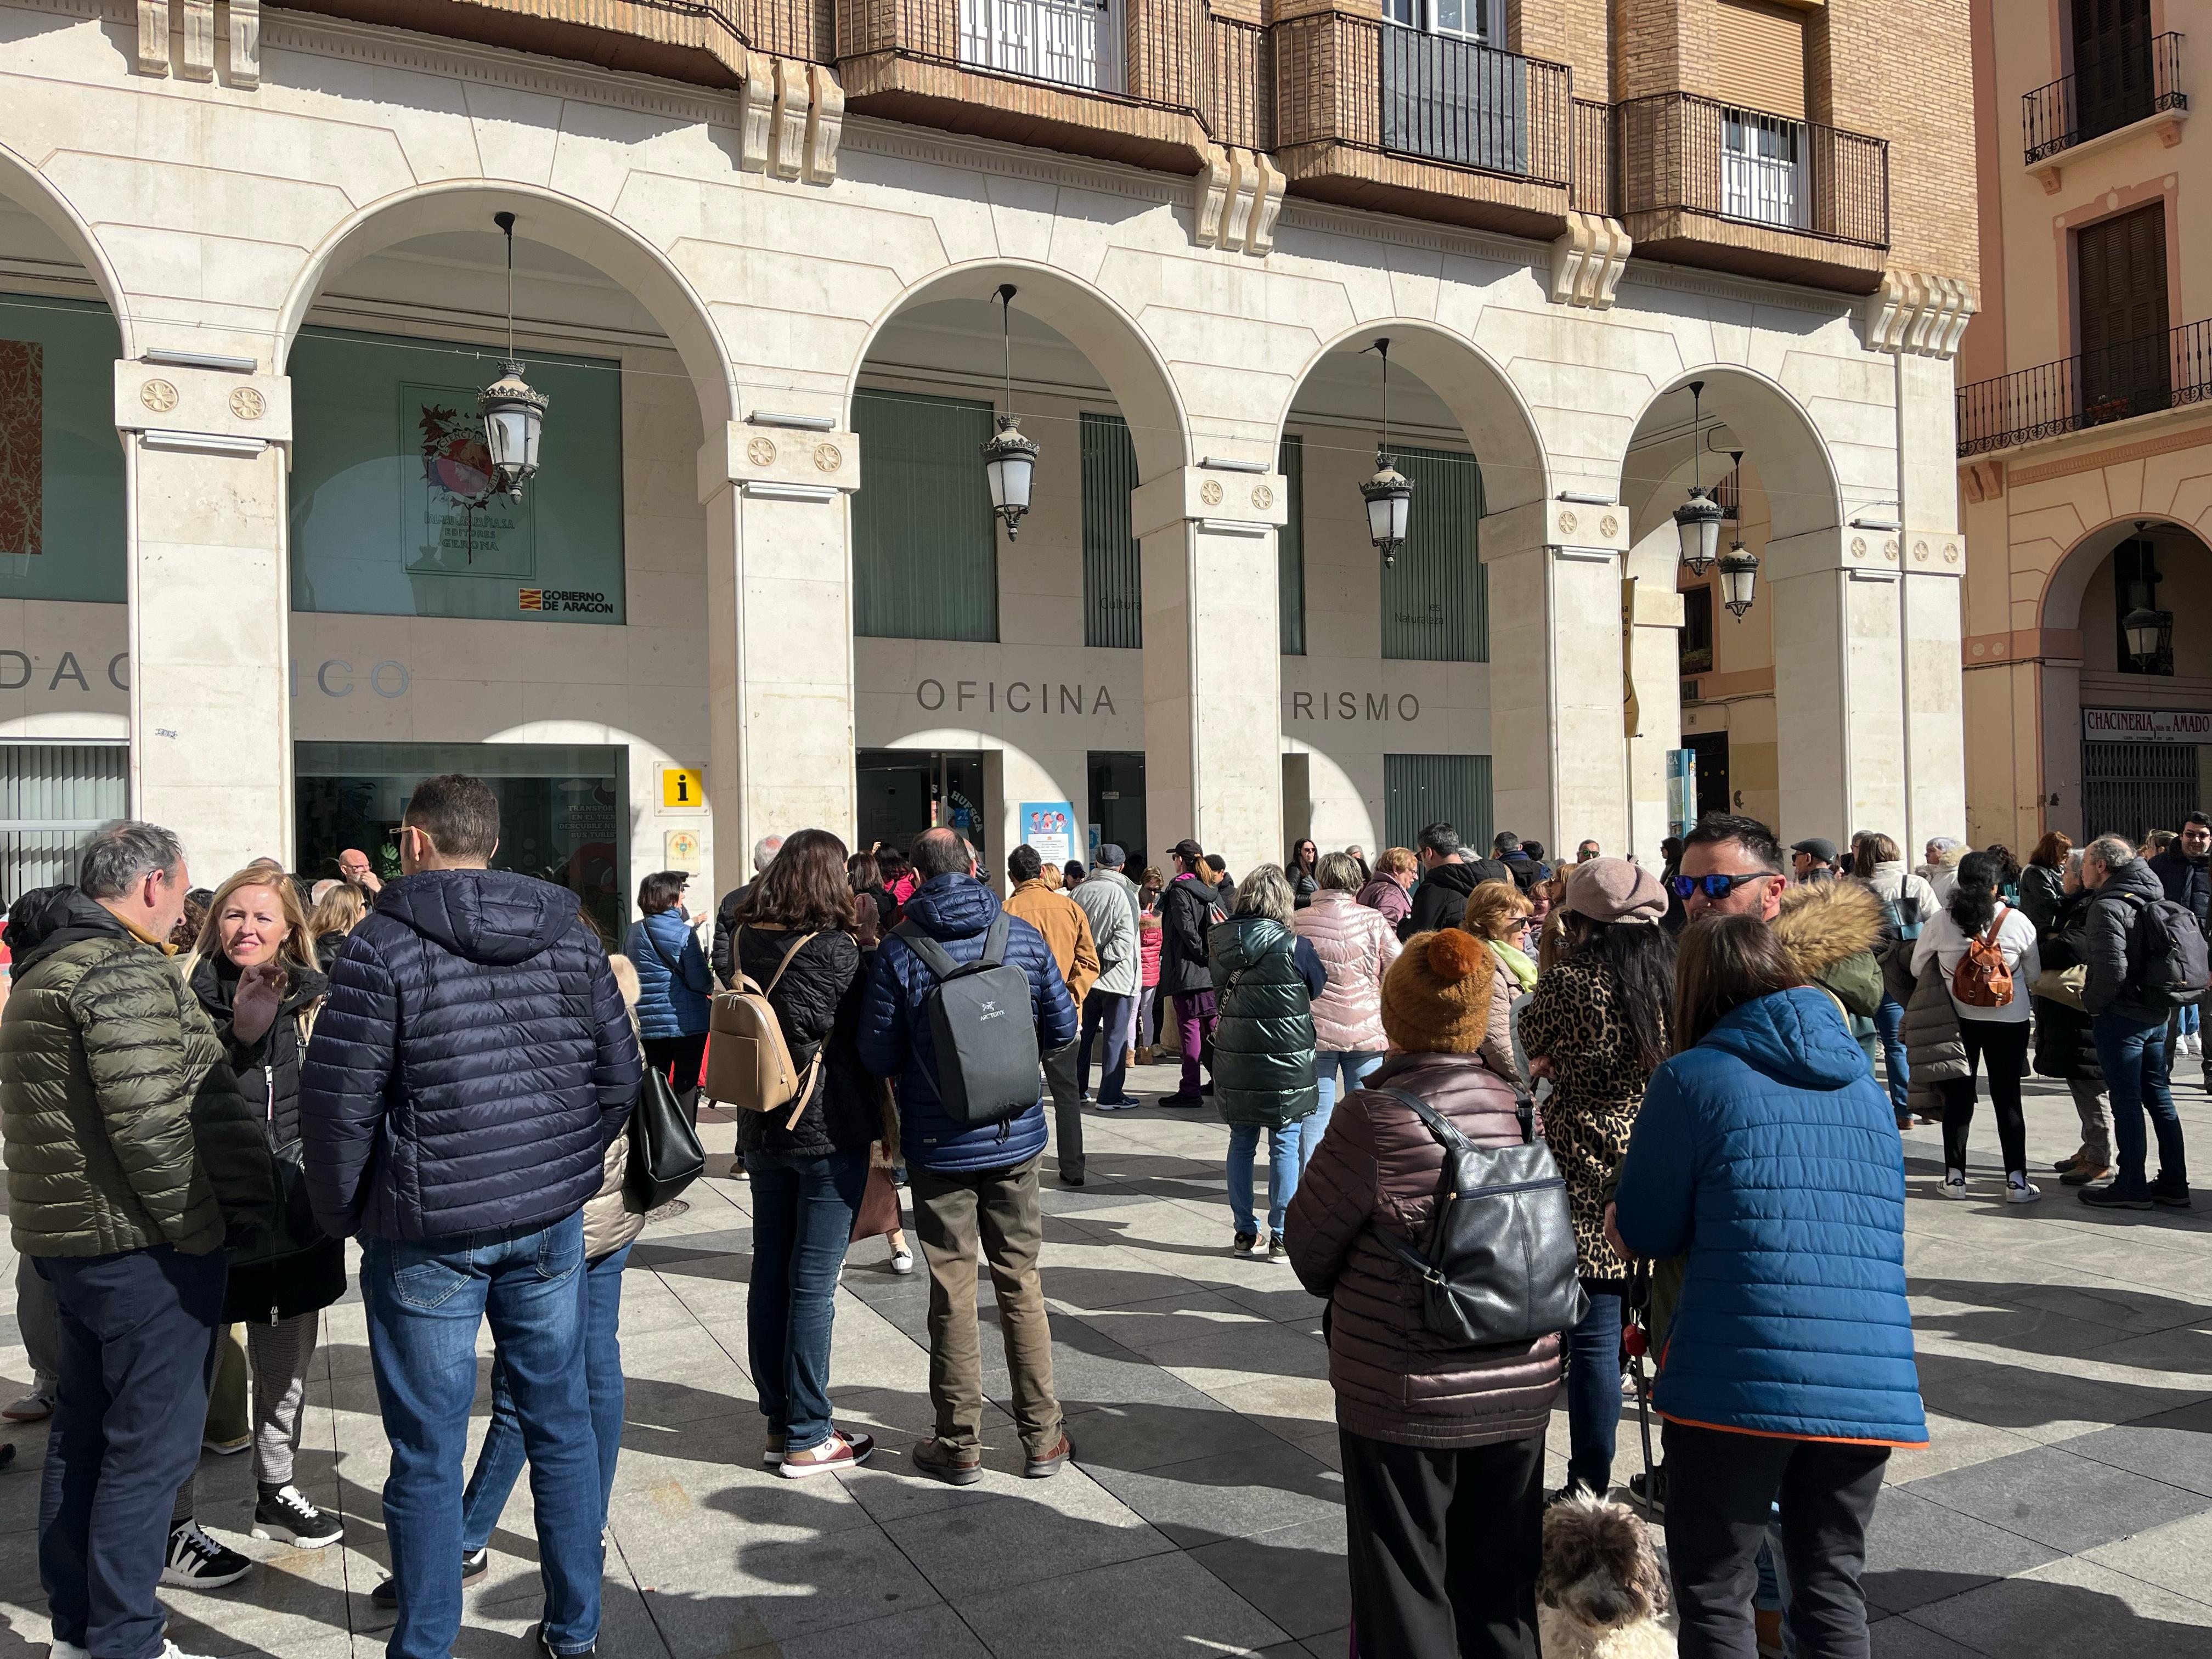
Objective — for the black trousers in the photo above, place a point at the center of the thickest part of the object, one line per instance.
(137, 1351)
(1998, 1049)
(1443, 1548)
(678, 1059)
(1721, 1488)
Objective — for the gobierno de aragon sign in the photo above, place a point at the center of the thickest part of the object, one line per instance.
(2186, 725)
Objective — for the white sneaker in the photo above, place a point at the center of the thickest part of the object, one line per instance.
(1954, 1184)
(62, 1649)
(196, 1561)
(902, 1262)
(2019, 1189)
(33, 1407)
(171, 1650)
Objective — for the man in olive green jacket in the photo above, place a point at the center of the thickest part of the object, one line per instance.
(133, 1162)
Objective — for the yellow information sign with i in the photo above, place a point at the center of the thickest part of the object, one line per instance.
(682, 786)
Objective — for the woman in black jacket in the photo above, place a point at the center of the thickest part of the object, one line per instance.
(808, 1165)
(2065, 1041)
(254, 970)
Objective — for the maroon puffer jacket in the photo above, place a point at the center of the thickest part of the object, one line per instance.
(1395, 1381)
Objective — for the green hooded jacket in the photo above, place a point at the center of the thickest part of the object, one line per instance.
(1263, 1043)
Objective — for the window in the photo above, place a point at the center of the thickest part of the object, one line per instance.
(1763, 169)
(2120, 280)
(563, 811)
(2113, 80)
(390, 515)
(52, 796)
(2135, 580)
(925, 540)
(1447, 94)
(1290, 549)
(1436, 596)
(61, 464)
(1418, 790)
(1697, 636)
(1113, 583)
(1467, 20)
(1075, 43)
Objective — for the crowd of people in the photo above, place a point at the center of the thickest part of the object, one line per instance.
(205, 1095)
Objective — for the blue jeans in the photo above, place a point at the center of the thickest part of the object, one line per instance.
(1105, 1014)
(426, 1299)
(1282, 1173)
(802, 1214)
(2133, 1057)
(501, 1459)
(1889, 1026)
(1355, 1064)
(1594, 1391)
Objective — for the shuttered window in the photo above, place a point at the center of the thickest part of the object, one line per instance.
(53, 796)
(925, 541)
(1418, 790)
(1291, 548)
(1113, 589)
(1759, 56)
(1436, 597)
(2120, 264)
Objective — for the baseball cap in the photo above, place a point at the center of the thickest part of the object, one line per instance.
(1188, 848)
(1818, 846)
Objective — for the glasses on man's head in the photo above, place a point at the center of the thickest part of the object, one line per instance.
(1711, 886)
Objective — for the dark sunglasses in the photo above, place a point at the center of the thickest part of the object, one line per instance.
(1713, 886)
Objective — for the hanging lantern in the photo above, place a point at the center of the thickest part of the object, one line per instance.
(1389, 495)
(1739, 576)
(1698, 524)
(2149, 636)
(1009, 460)
(513, 411)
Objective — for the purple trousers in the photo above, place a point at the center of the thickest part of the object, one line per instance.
(1195, 1018)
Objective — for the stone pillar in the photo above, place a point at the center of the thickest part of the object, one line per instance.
(778, 636)
(1934, 694)
(1213, 715)
(1651, 615)
(1558, 711)
(205, 473)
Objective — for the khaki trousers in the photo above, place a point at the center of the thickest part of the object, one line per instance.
(1001, 1210)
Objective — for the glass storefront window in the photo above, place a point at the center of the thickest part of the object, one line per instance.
(61, 463)
(563, 810)
(903, 791)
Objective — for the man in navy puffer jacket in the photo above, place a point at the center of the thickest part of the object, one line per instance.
(970, 1181)
(472, 1065)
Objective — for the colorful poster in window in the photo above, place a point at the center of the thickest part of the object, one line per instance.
(1050, 826)
(461, 528)
(61, 462)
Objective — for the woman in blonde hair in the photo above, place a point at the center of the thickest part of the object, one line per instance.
(254, 970)
(337, 914)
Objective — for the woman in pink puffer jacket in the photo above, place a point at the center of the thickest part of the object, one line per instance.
(1355, 944)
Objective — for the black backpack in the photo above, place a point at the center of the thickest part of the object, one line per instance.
(2166, 961)
(1501, 1265)
(982, 1027)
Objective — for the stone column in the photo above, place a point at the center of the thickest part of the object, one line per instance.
(1837, 682)
(1651, 615)
(1934, 693)
(1213, 715)
(205, 472)
(1558, 711)
(778, 636)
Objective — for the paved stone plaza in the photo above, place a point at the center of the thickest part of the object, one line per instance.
(2065, 1507)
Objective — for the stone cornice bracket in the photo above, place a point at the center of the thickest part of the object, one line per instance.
(210, 411)
(790, 118)
(1236, 199)
(1918, 312)
(1580, 533)
(1587, 260)
(196, 20)
(1221, 502)
(779, 463)
(1982, 481)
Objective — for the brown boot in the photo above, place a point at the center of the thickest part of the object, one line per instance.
(2083, 1173)
(942, 1462)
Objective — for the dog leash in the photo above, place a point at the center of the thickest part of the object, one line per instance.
(1637, 1339)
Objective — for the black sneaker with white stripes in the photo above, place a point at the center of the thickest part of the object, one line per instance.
(287, 1517)
(474, 1564)
(196, 1561)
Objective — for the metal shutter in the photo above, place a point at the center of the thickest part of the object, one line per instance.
(53, 796)
(1113, 583)
(925, 540)
(1290, 549)
(1435, 604)
(1759, 56)
(1418, 790)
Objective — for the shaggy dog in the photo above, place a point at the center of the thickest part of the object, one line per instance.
(1600, 1594)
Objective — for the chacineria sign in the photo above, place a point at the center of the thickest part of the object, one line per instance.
(2188, 725)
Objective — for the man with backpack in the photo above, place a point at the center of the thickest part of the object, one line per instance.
(1065, 926)
(2185, 870)
(2145, 955)
(961, 1001)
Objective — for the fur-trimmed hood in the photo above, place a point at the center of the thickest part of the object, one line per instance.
(1824, 922)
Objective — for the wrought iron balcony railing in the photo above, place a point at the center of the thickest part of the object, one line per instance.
(1680, 151)
(2136, 76)
(2115, 383)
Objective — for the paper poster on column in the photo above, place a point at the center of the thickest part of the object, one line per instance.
(1050, 826)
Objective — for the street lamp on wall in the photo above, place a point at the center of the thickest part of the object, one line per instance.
(1010, 459)
(1390, 493)
(513, 412)
(2149, 636)
(1698, 520)
(1738, 577)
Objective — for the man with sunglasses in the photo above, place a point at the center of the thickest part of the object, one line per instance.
(1731, 866)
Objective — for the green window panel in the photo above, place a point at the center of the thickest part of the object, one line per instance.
(1423, 789)
(925, 540)
(61, 463)
(1436, 598)
(1291, 548)
(1113, 585)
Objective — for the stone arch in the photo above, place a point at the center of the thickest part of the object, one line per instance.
(24, 185)
(1776, 431)
(1492, 412)
(1091, 321)
(542, 215)
(2059, 605)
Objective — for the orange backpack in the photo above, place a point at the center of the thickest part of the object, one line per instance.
(1981, 980)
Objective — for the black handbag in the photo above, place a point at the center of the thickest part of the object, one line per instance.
(1501, 1265)
(664, 1153)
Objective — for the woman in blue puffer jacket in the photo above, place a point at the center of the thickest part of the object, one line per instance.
(1767, 1157)
(676, 988)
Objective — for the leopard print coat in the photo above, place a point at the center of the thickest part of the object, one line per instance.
(1597, 1085)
